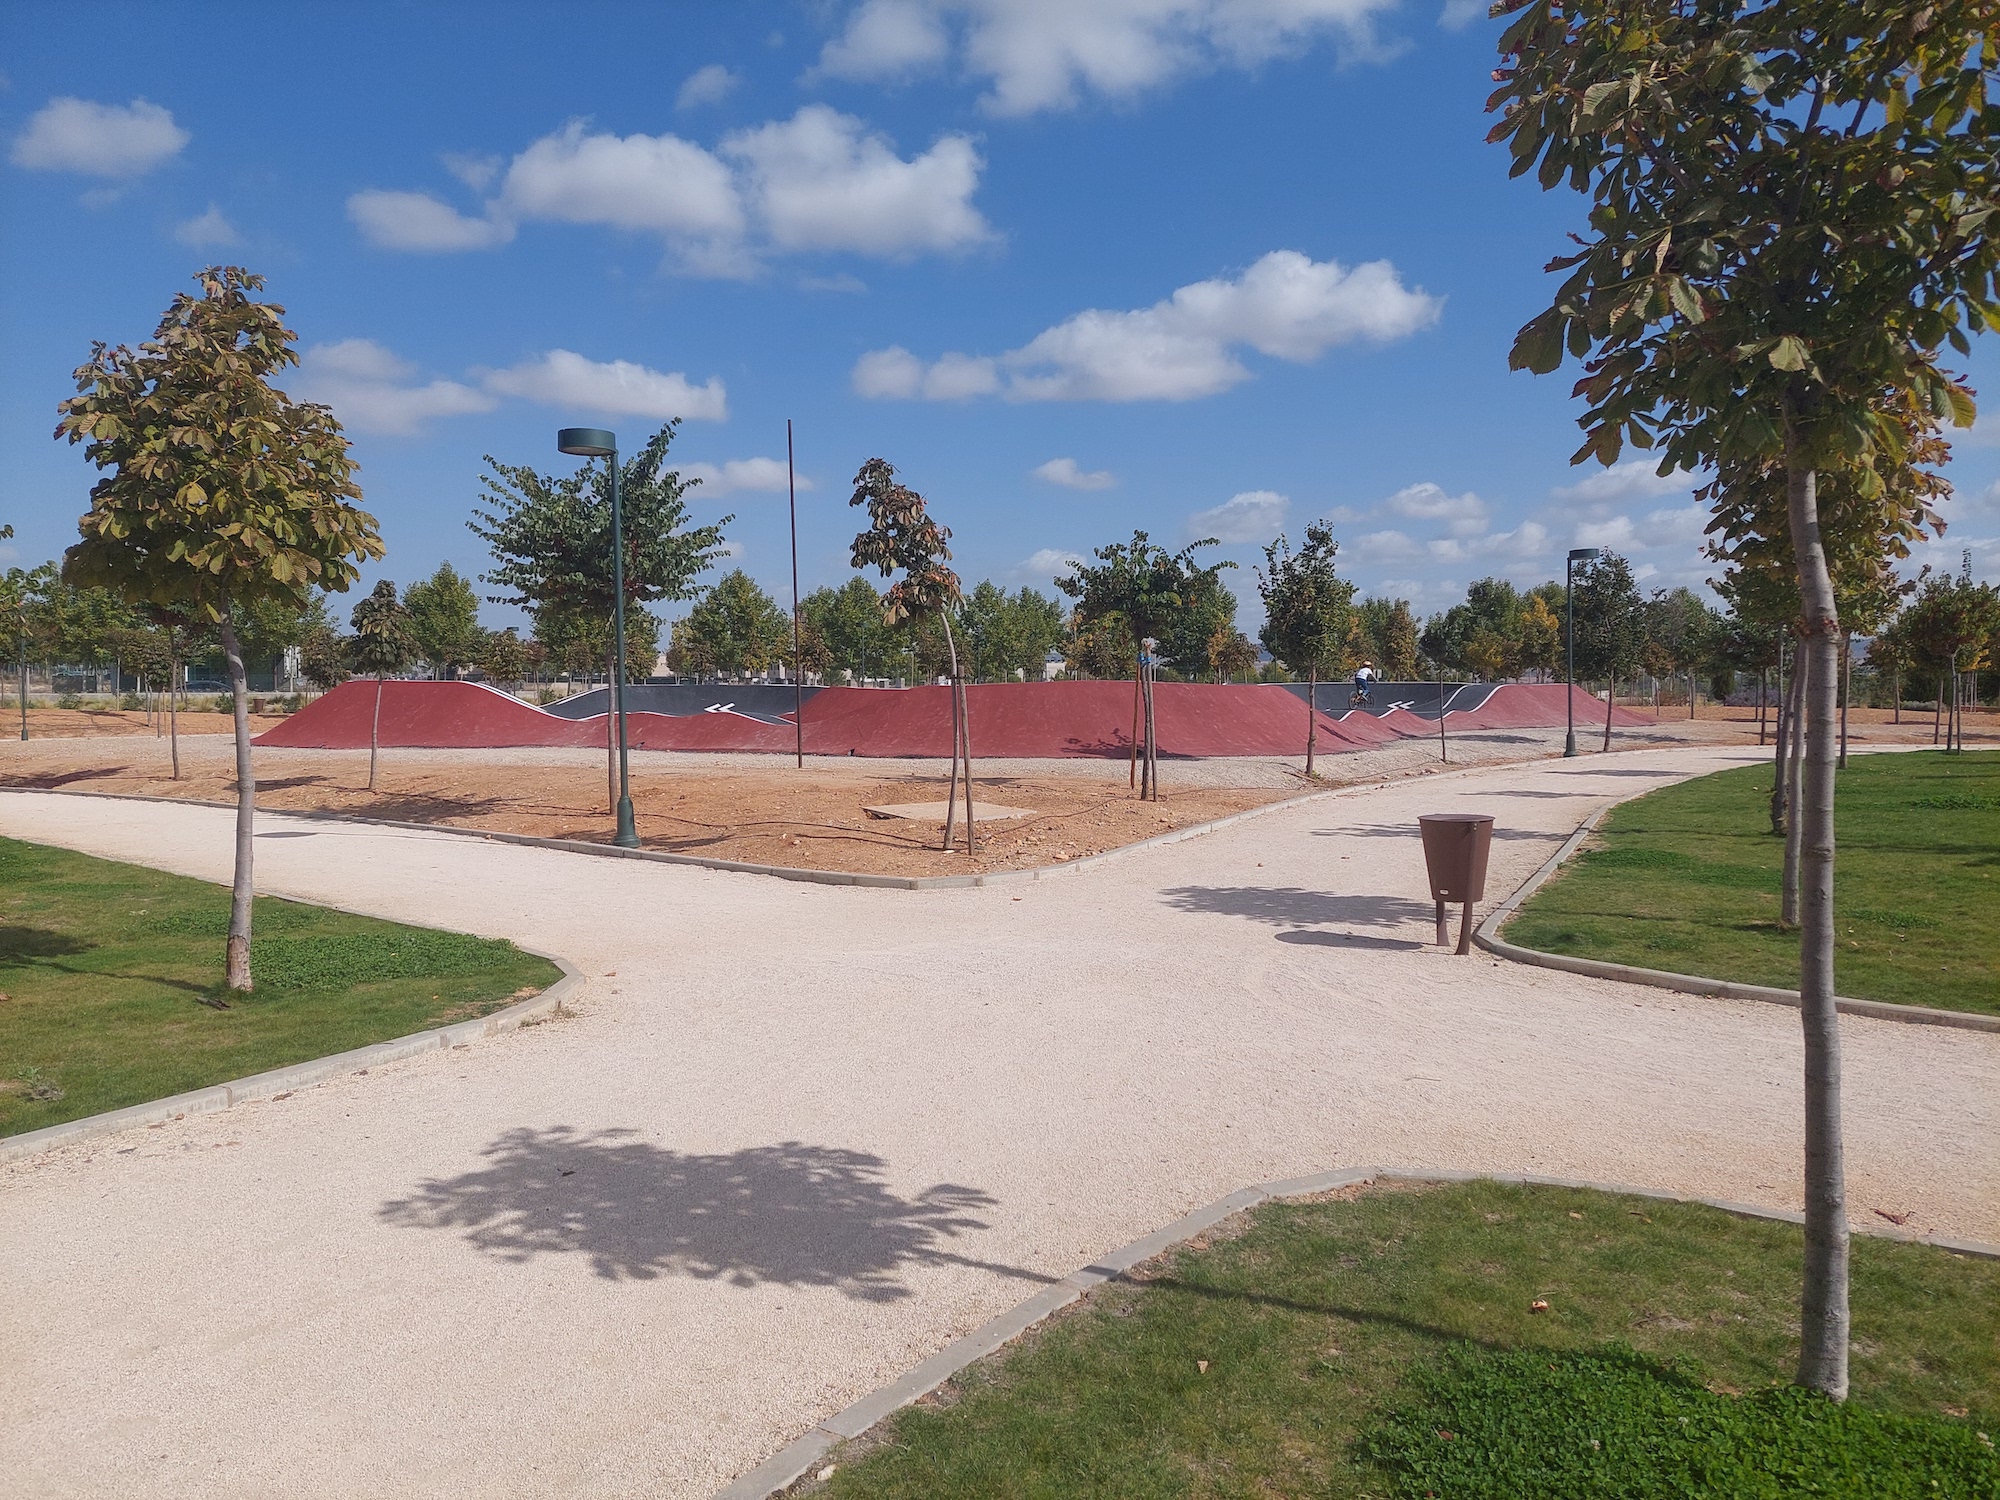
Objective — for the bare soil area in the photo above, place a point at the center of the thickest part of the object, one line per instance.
(73, 723)
(760, 809)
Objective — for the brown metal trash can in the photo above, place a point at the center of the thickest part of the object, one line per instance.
(1456, 847)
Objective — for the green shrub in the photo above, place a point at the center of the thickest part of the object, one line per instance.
(1542, 1424)
(130, 704)
(69, 700)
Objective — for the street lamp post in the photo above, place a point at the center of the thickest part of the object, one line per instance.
(1577, 555)
(595, 442)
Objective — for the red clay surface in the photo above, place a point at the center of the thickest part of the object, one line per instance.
(1042, 720)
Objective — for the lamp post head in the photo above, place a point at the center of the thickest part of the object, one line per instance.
(586, 442)
(1576, 554)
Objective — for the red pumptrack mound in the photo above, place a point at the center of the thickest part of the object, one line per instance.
(1038, 721)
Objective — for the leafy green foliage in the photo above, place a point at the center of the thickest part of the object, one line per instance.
(444, 620)
(1610, 619)
(551, 540)
(1141, 588)
(382, 644)
(902, 536)
(1306, 603)
(1612, 1424)
(1007, 633)
(221, 491)
(734, 627)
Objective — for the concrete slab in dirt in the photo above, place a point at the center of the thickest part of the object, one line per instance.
(933, 812)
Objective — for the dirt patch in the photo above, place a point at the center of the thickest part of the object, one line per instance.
(73, 723)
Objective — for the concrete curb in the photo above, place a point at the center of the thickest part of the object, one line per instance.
(297, 1075)
(1488, 937)
(790, 1463)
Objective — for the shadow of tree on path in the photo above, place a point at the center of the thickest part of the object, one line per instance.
(793, 1214)
(1295, 906)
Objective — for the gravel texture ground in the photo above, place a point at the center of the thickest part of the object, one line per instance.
(798, 1137)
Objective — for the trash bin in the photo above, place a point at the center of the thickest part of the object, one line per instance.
(1456, 847)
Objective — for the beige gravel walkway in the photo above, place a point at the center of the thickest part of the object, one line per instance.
(802, 1136)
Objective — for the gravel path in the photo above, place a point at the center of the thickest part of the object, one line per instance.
(801, 1136)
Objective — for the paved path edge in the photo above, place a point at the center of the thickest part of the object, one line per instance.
(790, 1463)
(1488, 937)
(739, 867)
(299, 1075)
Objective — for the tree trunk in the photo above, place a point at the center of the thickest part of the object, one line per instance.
(24, 692)
(1610, 699)
(1896, 687)
(951, 791)
(1151, 791)
(375, 733)
(1690, 693)
(1779, 786)
(1937, 712)
(961, 736)
(1312, 717)
(1846, 688)
(1788, 900)
(1138, 699)
(174, 713)
(238, 976)
(1763, 676)
(1823, 1313)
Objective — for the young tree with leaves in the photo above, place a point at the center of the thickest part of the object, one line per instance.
(220, 492)
(1610, 626)
(1307, 614)
(902, 537)
(503, 657)
(551, 544)
(382, 645)
(736, 627)
(1137, 590)
(1391, 630)
(444, 620)
(1791, 210)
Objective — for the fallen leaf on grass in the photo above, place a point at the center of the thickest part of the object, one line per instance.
(1901, 1218)
(1538, 1306)
(1201, 1365)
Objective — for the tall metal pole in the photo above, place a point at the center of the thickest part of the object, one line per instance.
(627, 836)
(1569, 649)
(798, 668)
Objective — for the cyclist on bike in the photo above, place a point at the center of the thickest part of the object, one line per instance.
(1364, 676)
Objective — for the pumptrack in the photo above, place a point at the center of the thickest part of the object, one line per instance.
(1022, 720)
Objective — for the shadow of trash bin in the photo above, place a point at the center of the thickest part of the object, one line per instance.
(1456, 846)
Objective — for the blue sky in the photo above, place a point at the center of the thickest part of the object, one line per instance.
(1204, 267)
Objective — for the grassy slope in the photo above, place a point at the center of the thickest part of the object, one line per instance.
(1313, 1320)
(106, 967)
(1686, 878)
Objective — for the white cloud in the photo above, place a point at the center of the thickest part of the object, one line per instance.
(1529, 539)
(820, 181)
(207, 229)
(1384, 546)
(1044, 54)
(844, 282)
(1253, 516)
(1064, 471)
(1285, 305)
(1459, 14)
(616, 388)
(660, 184)
(1464, 515)
(886, 39)
(475, 171)
(1047, 563)
(709, 85)
(100, 140)
(417, 221)
(766, 474)
(895, 373)
(1633, 479)
(370, 389)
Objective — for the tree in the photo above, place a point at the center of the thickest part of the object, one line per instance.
(24, 609)
(444, 620)
(551, 544)
(1791, 213)
(220, 493)
(323, 659)
(382, 644)
(1306, 614)
(902, 537)
(1099, 649)
(849, 620)
(1141, 589)
(1610, 626)
(1540, 648)
(736, 626)
(1950, 626)
(1208, 608)
(1680, 632)
(1232, 655)
(503, 657)
(1391, 631)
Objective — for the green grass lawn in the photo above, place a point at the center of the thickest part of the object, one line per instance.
(1386, 1346)
(1687, 879)
(112, 976)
